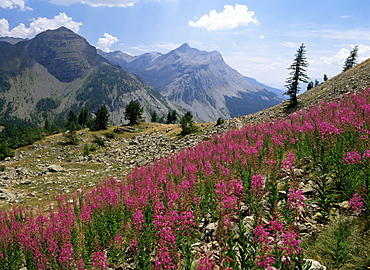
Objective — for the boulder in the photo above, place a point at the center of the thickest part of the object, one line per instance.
(55, 168)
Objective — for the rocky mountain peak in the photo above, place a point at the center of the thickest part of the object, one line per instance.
(183, 48)
(200, 82)
(65, 54)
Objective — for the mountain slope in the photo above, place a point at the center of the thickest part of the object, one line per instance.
(58, 70)
(199, 81)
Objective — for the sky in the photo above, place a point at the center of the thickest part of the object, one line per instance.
(258, 38)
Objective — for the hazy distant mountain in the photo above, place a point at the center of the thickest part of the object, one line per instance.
(198, 81)
(11, 40)
(277, 91)
(58, 70)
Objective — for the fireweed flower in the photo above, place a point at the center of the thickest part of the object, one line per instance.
(99, 260)
(207, 263)
(287, 165)
(366, 155)
(257, 186)
(291, 244)
(295, 200)
(261, 235)
(352, 157)
(266, 261)
(356, 204)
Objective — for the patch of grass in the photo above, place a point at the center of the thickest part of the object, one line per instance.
(342, 244)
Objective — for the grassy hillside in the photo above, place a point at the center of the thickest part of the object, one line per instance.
(264, 197)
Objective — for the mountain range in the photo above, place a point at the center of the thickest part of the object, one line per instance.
(199, 81)
(58, 71)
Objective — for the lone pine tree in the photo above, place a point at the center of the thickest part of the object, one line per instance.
(298, 74)
(133, 112)
(351, 59)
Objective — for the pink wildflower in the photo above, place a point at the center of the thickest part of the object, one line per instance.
(206, 263)
(257, 186)
(352, 157)
(295, 200)
(356, 204)
(99, 260)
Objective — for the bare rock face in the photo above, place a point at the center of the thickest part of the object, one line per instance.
(66, 56)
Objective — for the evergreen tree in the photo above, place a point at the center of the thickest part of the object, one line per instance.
(47, 126)
(5, 151)
(154, 118)
(310, 85)
(297, 75)
(72, 121)
(325, 77)
(187, 124)
(83, 117)
(133, 112)
(102, 118)
(171, 117)
(351, 59)
(174, 116)
(317, 83)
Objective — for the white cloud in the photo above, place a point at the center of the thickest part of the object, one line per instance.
(230, 17)
(106, 42)
(290, 44)
(354, 34)
(38, 25)
(262, 37)
(273, 66)
(340, 57)
(98, 3)
(10, 4)
(363, 52)
(4, 27)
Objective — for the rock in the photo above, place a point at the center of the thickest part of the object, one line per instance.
(209, 232)
(248, 222)
(141, 162)
(55, 168)
(124, 129)
(26, 182)
(315, 265)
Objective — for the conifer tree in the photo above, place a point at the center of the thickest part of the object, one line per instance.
(171, 117)
(351, 59)
(83, 117)
(187, 124)
(298, 74)
(310, 85)
(154, 118)
(133, 112)
(102, 118)
(325, 78)
(72, 121)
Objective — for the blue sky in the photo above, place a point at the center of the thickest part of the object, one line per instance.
(259, 38)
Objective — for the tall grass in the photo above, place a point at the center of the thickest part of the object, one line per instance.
(244, 184)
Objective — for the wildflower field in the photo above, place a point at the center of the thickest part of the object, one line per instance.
(235, 201)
